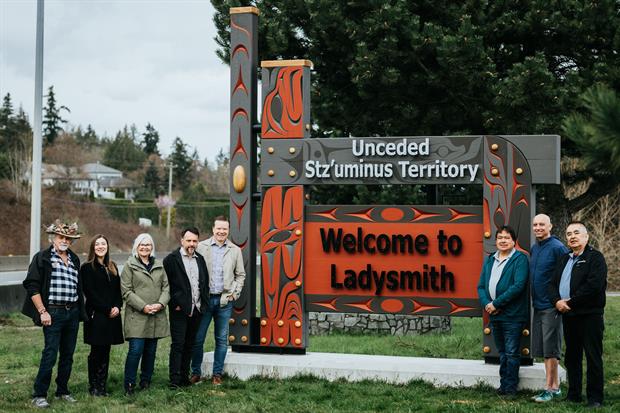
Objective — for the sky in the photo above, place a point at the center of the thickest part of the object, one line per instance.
(117, 62)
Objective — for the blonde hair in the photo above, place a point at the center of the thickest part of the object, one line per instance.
(139, 240)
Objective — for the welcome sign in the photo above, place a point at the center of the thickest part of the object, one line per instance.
(400, 259)
(396, 259)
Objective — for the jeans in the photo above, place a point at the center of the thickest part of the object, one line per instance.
(183, 334)
(60, 336)
(221, 316)
(507, 336)
(140, 348)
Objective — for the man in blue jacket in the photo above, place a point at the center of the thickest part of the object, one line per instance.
(546, 324)
(578, 292)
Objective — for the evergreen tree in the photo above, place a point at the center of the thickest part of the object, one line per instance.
(596, 133)
(87, 138)
(152, 178)
(403, 68)
(52, 120)
(182, 164)
(124, 153)
(150, 140)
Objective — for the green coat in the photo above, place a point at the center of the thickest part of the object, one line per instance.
(140, 288)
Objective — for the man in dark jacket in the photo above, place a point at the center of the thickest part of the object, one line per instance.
(578, 292)
(189, 293)
(54, 301)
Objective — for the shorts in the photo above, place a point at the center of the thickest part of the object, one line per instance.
(547, 333)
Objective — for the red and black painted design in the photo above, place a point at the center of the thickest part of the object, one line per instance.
(507, 200)
(243, 165)
(282, 321)
(286, 94)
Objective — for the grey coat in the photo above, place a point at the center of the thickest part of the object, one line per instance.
(139, 288)
(234, 270)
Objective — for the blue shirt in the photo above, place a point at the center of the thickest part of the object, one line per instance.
(566, 276)
(216, 280)
(496, 272)
(543, 260)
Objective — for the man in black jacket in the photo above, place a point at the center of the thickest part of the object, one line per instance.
(578, 292)
(189, 292)
(54, 300)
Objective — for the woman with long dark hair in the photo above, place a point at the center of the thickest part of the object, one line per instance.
(103, 327)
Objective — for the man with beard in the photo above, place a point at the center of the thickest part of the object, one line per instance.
(54, 301)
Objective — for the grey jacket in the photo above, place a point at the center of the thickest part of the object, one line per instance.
(234, 270)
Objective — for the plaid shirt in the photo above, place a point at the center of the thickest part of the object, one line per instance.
(64, 281)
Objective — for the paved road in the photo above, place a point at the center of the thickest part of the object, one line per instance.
(16, 277)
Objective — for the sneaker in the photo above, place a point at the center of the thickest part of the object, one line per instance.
(544, 397)
(40, 402)
(536, 396)
(66, 397)
(556, 393)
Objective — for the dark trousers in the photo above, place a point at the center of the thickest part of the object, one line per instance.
(183, 335)
(507, 337)
(98, 364)
(584, 334)
(60, 337)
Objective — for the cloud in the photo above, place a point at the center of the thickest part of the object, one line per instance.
(121, 62)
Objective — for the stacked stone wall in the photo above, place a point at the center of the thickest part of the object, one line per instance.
(398, 325)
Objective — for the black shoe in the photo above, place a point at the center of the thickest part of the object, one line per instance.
(129, 389)
(594, 405)
(144, 385)
(573, 399)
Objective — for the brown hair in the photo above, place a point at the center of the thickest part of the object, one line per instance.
(220, 218)
(109, 265)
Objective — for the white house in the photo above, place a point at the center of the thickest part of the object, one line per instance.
(91, 178)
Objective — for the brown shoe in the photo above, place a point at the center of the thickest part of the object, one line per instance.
(216, 380)
(195, 379)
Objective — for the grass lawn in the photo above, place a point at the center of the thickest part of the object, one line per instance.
(21, 345)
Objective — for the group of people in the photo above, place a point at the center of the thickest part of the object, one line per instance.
(198, 282)
(568, 299)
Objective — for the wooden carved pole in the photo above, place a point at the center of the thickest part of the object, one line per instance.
(286, 115)
(243, 100)
(507, 200)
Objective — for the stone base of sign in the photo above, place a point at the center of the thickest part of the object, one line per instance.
(390, 324)
(357, 367)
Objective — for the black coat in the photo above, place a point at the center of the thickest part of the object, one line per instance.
(38, 281)
(180, 288)
(587, 283)
(102, 291)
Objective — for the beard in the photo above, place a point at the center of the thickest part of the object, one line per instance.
(63, 247)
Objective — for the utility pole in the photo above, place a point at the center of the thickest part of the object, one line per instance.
(37, 139)
(170, 165)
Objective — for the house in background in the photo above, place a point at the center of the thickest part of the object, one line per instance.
(92, 178)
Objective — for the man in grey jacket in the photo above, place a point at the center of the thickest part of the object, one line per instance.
(226, 278)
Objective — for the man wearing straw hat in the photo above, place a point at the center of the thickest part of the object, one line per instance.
(54, 301)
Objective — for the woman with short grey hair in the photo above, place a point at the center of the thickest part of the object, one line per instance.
(144, 286)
